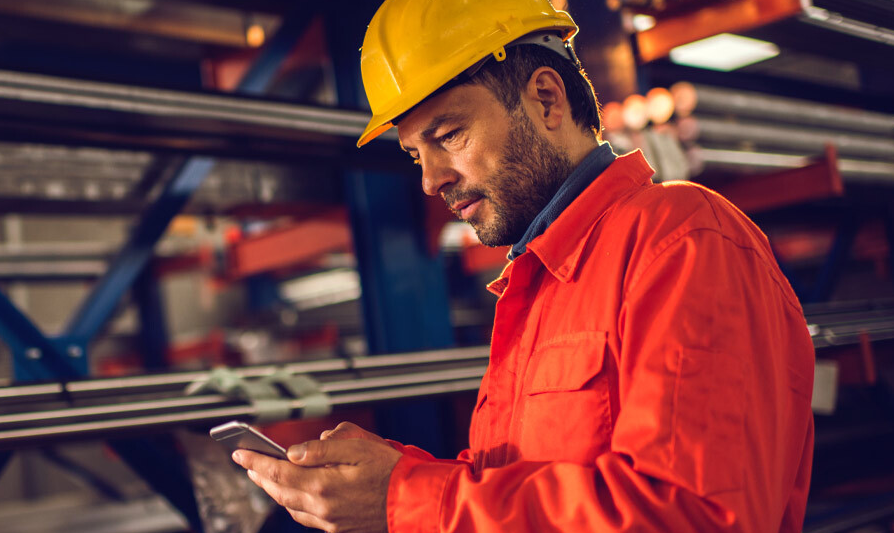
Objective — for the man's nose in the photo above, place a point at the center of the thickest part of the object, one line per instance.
(436, 175)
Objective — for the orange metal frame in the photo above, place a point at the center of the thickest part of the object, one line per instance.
(732, 16)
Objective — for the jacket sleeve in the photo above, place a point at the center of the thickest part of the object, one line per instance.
(714, 430)
(418, 453)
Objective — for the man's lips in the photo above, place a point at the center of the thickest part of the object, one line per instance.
(466, 208)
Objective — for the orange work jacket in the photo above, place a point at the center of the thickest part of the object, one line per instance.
(650, 370)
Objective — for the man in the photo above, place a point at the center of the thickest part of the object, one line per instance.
(650, 366)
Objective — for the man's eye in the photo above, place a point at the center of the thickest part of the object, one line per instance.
(450, 136)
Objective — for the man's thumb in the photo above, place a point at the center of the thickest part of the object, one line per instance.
(321, 453)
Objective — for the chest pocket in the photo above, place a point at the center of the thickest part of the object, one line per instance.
(565, 410)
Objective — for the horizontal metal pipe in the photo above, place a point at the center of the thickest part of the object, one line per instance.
(837, 22)
(133, 409)
(781, 137)
(178, 380)
(18, 437)
(52, 269)
(778, 109)
(181, 105)
(854, 170)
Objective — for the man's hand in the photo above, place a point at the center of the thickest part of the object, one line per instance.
(347, 430)
(336, 484)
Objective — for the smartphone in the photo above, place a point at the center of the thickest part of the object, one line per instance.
(237, 435)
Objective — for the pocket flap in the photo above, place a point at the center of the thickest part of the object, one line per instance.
(566, 363)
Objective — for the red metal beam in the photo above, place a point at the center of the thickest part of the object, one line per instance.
(807, 244)
(290, 246)
(787, 187)
(733, 16)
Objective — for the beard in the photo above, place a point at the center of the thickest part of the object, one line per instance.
(531, 174)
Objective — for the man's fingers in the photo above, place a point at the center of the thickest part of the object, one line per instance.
(286, 496)
(272, 474)
(348, 430)
(345, 430)
(330, 452)
(309, 520)
(249, 460)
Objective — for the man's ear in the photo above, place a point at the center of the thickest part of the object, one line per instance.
(546, 92)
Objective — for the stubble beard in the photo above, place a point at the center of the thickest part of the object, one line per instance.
(532, 171)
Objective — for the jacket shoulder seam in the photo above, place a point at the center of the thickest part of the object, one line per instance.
(675, 238)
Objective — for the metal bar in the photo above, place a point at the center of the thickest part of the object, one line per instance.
(818, 180)
(777, 109)
(102, 301)
(66, 270)
(838, 255)
(34, 356)
(181, 106)
(853, 170)
(4, 460)
(836, 22)
(782, 137)
(104, 488)
(97, 308)
(10, 438)
(88, 414)
(181, 379)
(160, 462)
(154, 339)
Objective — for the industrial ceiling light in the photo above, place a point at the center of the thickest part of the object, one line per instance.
(643, 22)
(255, 35)
(724, 52)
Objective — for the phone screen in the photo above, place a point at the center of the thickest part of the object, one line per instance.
(239, 435)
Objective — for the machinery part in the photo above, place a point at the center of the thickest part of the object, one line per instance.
(407, 55)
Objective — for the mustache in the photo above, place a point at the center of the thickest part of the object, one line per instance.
(454, 197)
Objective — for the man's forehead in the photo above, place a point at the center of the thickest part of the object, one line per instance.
(456, 104)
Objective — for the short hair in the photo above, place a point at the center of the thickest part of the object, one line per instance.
(508, 78)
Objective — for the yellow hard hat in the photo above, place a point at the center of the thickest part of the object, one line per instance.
(413, 47)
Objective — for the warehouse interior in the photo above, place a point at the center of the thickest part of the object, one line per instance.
(188, 235)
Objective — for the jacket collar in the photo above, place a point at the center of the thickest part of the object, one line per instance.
(560, 247)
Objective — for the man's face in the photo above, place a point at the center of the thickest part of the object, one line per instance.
(492, 167)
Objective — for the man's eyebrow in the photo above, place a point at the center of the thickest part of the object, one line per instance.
(433, 126)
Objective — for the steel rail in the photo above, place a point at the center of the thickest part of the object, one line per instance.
(38, 88)
(853, 169)
(178, 380)
(777, 109)
(781, 137)
(91, 413)
(16, 437)
(830, 20)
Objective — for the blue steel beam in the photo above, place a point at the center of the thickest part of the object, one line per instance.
(144, 454)
(36, 357)
(132, 259)
(404, 293)
(101, 303)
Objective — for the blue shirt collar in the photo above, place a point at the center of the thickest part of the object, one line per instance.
(588, 170)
